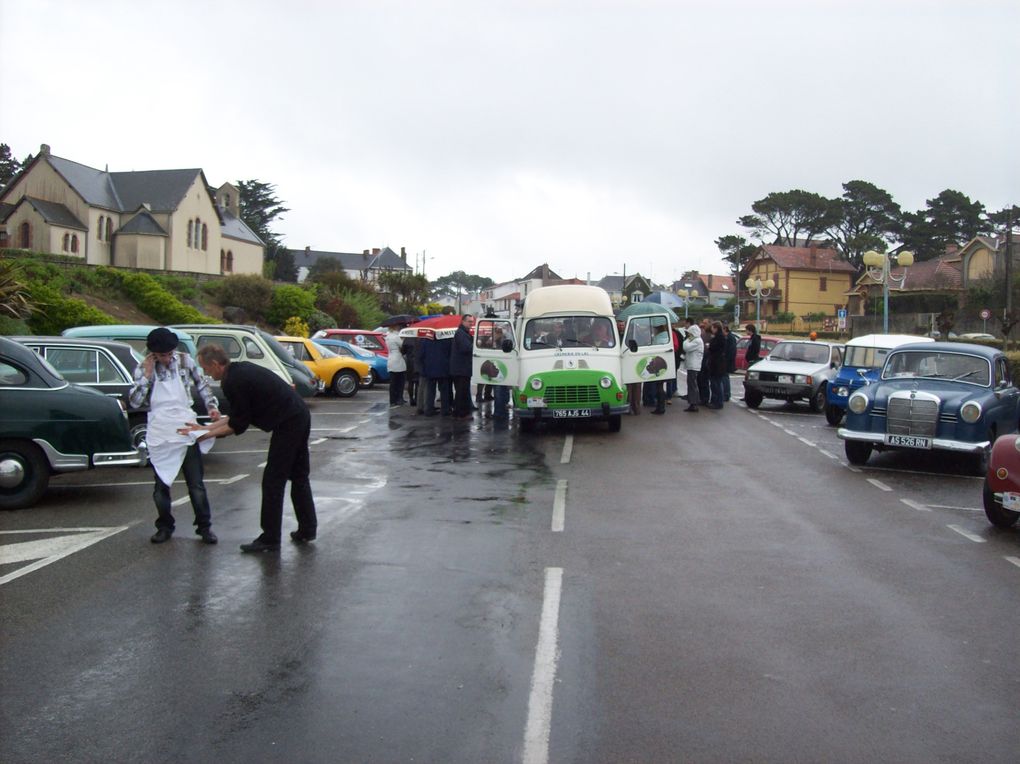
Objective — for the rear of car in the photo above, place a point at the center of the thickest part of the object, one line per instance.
(1001, 491)
(767, 344)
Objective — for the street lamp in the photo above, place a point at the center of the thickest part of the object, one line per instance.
(880, 269)
(759, 289)
(687, 295)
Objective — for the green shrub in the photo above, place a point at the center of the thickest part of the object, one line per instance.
(10, 327)
(252, 293)
(290, 301)
(157, 303)
(320, 320)
(295, 327)
(53, 312)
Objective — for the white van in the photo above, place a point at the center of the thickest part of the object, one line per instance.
(564, 358)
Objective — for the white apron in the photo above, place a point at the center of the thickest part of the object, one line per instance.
(169, 410)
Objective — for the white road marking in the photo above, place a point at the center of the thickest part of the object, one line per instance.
(49, 550)
(559, 506)
(962, 509)
(823, 452)
(966, 534)
(806, 442)
(316, 442)
(182, 500)
(790, 432)
(234, 479)
(916, 505)
(540, 700)
(879, 484)
(1014, 560)
(852, 468)
(130, 483)
(263, 464)
(568, 448)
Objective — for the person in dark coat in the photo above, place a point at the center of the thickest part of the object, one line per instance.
(731, 359)
(407, 349)
(436, 368)
(460, 367)
(716, 366)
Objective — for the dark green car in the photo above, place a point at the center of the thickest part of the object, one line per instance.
(48, 425)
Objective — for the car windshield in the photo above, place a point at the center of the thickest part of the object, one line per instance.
(569, 331)
(865, 357)
(326, 352)
(369, 341)
(804, 352)
(938, 365)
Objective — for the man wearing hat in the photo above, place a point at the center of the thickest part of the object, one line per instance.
(163, 380)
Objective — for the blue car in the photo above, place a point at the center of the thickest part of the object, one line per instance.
(938, 396)
(862, 361)
(376, 363)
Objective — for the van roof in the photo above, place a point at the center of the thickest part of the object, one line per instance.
(568, 298)
(885, 340)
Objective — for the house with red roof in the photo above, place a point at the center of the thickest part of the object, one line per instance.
(807, 280)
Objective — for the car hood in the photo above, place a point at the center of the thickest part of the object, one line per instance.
(952, 394)
(789, 367)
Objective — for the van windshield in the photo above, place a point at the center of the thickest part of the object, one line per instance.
(864, 357)
(569, 331)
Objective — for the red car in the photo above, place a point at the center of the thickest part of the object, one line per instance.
(1002, 482)
(767, 343)
(369, 340)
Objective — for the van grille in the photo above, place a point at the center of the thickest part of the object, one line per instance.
(908, 416)
(571, 395)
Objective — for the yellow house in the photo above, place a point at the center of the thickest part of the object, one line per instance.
(167, 220)
(807, 280)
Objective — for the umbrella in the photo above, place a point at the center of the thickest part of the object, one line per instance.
(647, 309)
(436, 328)
(668, 299)
(402, 318)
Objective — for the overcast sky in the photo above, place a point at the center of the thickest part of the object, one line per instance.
(494, 136)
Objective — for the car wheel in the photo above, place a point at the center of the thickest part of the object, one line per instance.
(753, 399)
(615, 422)
(857, 452)
(994, 511)
(138, 430)
(24, 474)
(345, 384)
(833, 415)
(371, 383)
(818, 400)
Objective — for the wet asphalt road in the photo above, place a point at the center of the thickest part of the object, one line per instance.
(730, 591)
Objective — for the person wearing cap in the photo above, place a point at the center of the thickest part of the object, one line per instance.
(163, 381)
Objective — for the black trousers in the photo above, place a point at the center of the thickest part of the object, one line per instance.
(194, 476)
(397, 386)
(461, 396)
(288, 459)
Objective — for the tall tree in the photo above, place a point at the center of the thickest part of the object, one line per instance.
(950, 218)
(259, 209)
(789, 216)
(406, 292)
(736, 250)
(9, 166)
(864, 218)
(459, 281)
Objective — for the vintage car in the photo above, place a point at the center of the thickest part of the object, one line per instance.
(377, 363)
(948, 396)
(794, 370)
(342, 374)
(134, 335)
(48, 425)
(363, 338)
(1001, 492)
(863, 358)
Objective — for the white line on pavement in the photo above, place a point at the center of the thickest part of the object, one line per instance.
(46, 551)
(806, 442)
(1014, 560)
(879, 484)
(966, 534)
(915, 505)
(234, 479)
(823, 452)
(543, 678)
(790, 432)
(852, 468)
(316, 442)
(559, 506)
(263, 464)
(962, 509)
(568, 448)
(182, 500)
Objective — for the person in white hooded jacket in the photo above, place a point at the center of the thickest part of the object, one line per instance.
(694, 350)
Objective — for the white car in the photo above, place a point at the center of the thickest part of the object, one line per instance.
(795, 370)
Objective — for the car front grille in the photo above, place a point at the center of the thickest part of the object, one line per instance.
(908, 416)
(570, 395)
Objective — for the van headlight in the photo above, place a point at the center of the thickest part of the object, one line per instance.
(842, 391)
(970, 412)
(536, 383)
(606, 382)
(858, 403)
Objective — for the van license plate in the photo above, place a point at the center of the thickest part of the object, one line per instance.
(1011, 500)
(570, 413)
(907, 441)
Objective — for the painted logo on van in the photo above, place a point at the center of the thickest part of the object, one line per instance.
(649, 368)
(494, 371)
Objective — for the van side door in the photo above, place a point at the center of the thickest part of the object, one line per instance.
(653, 359)
(495, 358)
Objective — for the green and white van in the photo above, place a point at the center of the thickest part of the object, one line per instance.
(563, 358)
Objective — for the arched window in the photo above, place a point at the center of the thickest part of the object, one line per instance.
(26, 236)
(223, 261)
(230, 261)
(109, 229)
(67, 242)
(74, 244)
(100, 228)
(205, 237)
(191, 225)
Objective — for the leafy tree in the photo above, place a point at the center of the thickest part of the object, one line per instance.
(459, 281)
(789, 216)
(259, 208)
(1005, 217)
(950, 218)
(864, 218)
(323, 266)
(407, 292)
(737, 251)
(290, 301)
(9, 166)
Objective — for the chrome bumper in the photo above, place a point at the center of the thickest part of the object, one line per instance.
(940, 444)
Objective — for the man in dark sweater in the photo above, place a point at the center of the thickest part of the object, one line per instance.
(258, 397)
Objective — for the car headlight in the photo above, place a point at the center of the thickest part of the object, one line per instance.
(606, 382)
(970, 412)
(858, 403)
(1016, 443)
(800, 379)
(841, 391)
(536, 384)
(752, 375)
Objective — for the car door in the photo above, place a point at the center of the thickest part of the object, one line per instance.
(647, 351)
(490, 363)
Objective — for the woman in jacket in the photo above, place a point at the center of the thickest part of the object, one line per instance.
(694, 349)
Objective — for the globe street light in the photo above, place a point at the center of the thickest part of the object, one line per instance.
(759, 289)
(687, 295)
(880, 269)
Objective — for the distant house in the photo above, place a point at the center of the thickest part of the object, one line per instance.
(714, 290)
(166, 220)
(940, 275)
(624, 290)
(505, 298)
(807, 280)
(364, 266)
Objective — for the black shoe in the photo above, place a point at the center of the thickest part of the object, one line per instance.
(301, 537)
(691, 408)
(261, 545)
(163, 534)
(207, 535)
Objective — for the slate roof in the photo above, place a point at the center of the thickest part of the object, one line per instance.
(143, 223)
(807, 259)
(351, 261)
(55, 213)
(612, 283)
(938, 273)
(162, 190)
(235, 228)
(94, 186)
(5, 210)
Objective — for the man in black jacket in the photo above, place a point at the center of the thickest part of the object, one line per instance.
(257, 396)
(460, 367)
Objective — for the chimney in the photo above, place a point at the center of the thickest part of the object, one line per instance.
(308, 252)
(44, 149)
(376, 250)
(365, 252)
(403, 255)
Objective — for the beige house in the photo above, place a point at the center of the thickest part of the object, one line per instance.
(166, 220)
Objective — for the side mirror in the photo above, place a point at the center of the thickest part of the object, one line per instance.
(632, 345)
(507, 346)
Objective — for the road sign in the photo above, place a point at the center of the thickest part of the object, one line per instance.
(841, 318)
(985, 314)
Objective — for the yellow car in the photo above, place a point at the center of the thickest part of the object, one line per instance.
(342, 375)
